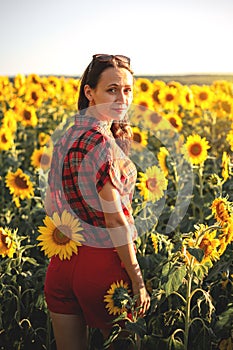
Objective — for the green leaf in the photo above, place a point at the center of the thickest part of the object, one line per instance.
(175, 279)
(197, 253)
(113, 335)
(166, 269)
(177, 345)
(200, 271)
(31, 261)
(138, 327)
(225, 321)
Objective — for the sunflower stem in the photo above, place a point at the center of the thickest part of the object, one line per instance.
(188, 303)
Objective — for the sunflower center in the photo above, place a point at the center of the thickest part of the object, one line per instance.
(151, 184)
(222, 212)
(60, 236)
(35, 80)
(203, 96)
(144, 87)
(3, 241)
(204, 245)
(187, 97)
(21, 183)
(173, 122)
(34, 96)
(27, 115)
(137, 137)
(143, 105)
(196, 149)
(155, 96)
(169, 97)
(226, 107)
(44, 159)
(120, 297)
(155, 118)
(3, 138)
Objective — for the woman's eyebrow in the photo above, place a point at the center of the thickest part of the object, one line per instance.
(115, 84)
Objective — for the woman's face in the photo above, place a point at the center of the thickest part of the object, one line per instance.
(113, 94)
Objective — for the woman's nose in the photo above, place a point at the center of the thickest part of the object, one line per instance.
(121, 97)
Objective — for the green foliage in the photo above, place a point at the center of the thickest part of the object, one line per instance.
(191, 298)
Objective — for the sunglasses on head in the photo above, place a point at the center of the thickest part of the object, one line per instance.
(106, 58)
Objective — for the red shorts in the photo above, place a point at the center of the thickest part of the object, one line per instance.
(79, 284)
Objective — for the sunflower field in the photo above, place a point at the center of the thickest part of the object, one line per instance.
(183, 210)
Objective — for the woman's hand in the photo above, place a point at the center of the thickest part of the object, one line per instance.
(143, 300)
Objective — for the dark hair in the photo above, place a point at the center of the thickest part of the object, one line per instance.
(91, 76)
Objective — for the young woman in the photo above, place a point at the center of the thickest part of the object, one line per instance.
(97, 182)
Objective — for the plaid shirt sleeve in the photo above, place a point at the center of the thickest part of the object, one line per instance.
(114, 166)
(91, 161)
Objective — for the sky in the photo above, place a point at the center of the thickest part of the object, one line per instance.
(162, 37)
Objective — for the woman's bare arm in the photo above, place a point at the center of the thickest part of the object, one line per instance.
(120, 233)
(48, 202)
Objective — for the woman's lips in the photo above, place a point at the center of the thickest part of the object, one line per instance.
(119, 110)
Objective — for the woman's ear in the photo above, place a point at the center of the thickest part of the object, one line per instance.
(88, 92)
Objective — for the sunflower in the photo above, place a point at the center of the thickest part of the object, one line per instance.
(155, 96)
(154, 121)
(154, 239)
(209, 244)
(175, 120)
(6, 89)
(51, 86)
(55, 82)
(20, 185)
(117, 298)
(226, 106)
(7, 243)
(44, 138)
(205, 240)
(139, 138)
(10, 121)
(223, 106)
(203, 96)
(59, 235)
(225, 166)
(19, 81)
(143, 85)
(41, 158)
(6, 139)
(17, 105)
(144, 102)
(227, 232)
(186, 99)
(168, 97)
(215, 181)
(162, 158)
(19, 85)
(70, 91)
(28, 116)
(195, 149)
(35, 95)
(152, 184)
(221, 209)
(33, 79)
(222, 86)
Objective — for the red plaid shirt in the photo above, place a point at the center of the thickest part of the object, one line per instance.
(84, 159)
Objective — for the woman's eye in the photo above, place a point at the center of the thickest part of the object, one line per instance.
(128, 90)
(112, 90)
